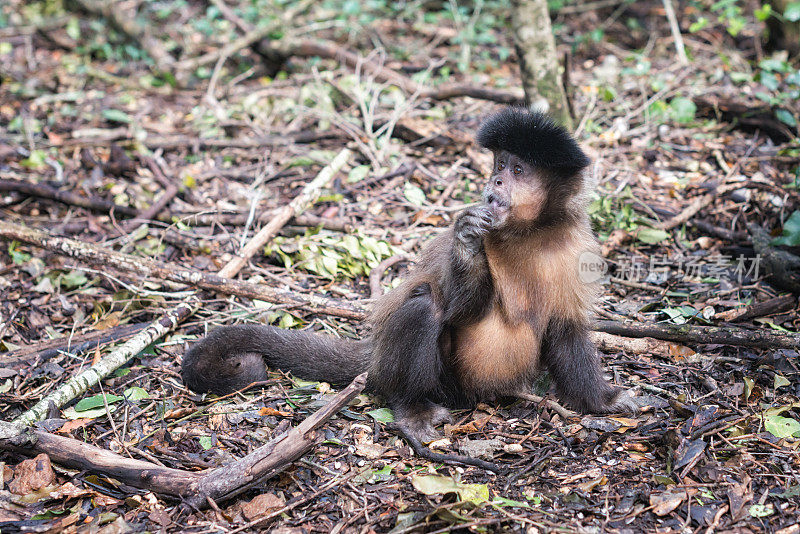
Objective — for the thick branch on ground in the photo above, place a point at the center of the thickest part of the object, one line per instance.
(65, 197)
(268, 460)
(718, 335)
(107, 364)
(538, 59)
(99, 256)
(195, 487)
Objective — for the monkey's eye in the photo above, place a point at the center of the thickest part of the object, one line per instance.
(501, 166)
(517, 169)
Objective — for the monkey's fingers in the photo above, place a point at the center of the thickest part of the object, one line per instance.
(425, 452)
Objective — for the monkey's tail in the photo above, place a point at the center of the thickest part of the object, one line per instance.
(233, 357)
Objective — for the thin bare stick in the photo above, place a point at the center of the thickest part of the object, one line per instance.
(676, 32)
(553, 405)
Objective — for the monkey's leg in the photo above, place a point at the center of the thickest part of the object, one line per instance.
(574, 365)
(408, 367)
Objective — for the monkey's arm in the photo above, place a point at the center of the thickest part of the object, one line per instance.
(468, 287)
(574, 366)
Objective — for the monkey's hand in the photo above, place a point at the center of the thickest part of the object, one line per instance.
(471, 226)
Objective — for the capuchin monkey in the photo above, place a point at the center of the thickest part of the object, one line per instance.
(492, 302)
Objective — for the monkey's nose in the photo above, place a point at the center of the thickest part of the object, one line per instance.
(490, 198)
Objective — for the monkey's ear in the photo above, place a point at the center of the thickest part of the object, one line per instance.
(533, 137)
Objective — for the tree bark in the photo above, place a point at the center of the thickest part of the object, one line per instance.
(538, 59)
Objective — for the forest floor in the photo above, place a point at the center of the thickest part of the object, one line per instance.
(85, 110)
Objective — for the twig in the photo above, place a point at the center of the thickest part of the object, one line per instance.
(72, 344)
(376, 274)
(170, 190)
(698, 204)
(553, 405)
(425, 452)
(676, 32)
(291, 506)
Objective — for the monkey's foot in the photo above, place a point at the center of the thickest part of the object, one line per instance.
(416, 424)
(420, 420)
(622, 402)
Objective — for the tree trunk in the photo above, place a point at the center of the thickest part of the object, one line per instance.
(783, 34)
(538, 59)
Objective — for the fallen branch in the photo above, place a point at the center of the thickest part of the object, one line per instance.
(195, 487)
(717, 335)
(270, 459)
(106, 365)
(72, 344)
(65, 197)
(97, 255)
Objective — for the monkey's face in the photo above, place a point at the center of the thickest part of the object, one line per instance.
(516, 192)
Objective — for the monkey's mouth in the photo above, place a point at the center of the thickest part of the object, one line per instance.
(500, 209)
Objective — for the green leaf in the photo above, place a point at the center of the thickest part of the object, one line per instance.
(115, 115)
(71, 413)
(762, 13)
(358, 173)
(779, 381)
(782, 427)
(792, 12)
(786, 117)
(135, 394)
(502, 501)
(414, 194)
(761, 510)
(431, 485)
(36, 160)
(682, 110)
(96, 401)
(73, 280)
(791, 231)
(382, 415)
(698, 25)
(205, 442)
(651, 236)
